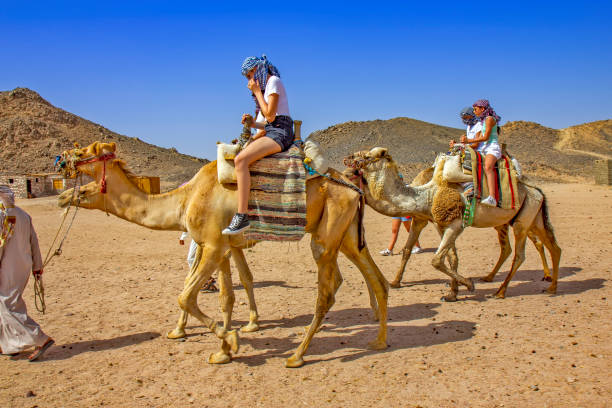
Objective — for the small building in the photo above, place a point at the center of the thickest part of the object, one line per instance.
(35, 185)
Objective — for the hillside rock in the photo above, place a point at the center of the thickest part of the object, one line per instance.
(33, 132)
(545, 153)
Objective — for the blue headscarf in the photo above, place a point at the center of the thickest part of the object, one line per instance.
(468, 111)
(262, 72)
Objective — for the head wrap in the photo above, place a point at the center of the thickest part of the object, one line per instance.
(488, 110)
(7, 200)
(263, 70)
(468, 111)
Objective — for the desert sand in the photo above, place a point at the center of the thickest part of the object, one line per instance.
(111, 298)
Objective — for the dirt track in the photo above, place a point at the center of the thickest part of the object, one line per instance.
(111, 298)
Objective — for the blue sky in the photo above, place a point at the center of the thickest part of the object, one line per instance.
(169, 72)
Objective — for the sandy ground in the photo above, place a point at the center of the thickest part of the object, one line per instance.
(111, 298)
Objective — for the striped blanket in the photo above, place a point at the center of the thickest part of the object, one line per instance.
(506, 184)
(277, 202)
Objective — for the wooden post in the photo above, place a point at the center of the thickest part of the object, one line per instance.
(297, 130)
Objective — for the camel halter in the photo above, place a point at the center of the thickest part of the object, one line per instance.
(103, 158)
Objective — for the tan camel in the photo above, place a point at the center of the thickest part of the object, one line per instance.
(424, 177)
(203, 207)
(441, 203)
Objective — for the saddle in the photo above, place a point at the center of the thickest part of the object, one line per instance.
(467, 165)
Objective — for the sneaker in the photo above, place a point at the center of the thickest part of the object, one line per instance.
(239, 223)
(490, 201)
(386, 252)
(416, 250)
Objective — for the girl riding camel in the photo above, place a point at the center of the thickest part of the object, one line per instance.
(484, 139)
(272, 108)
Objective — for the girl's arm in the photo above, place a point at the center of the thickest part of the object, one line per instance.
(268, 110)
(489, 123)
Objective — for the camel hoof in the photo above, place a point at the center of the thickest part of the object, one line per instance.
(250, 328)
(220, 357)
(176, 334)
(547, 278)
(231, 338)
(395, 284)
(500, 295)
(486, 279)
(449, 298)
(470, 285)
(294, 362)
(377, 345)
(552, 290)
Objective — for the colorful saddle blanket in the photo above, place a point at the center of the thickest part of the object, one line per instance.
(277, 202)
(506, 182)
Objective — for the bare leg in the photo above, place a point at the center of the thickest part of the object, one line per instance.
(413, 237)
(407, 225)
(490, 161)
(246, 278)
(395, 224)
(262, 147)
(504, 251)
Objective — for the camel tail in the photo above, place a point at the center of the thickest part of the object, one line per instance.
(545, 217)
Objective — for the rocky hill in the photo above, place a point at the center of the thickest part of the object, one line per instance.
(545, 153)
(33, 132)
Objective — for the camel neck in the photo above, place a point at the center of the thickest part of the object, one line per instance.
(155, 211)
(389, 195)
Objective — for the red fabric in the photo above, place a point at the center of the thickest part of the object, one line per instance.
(509, 179)
(479, 173)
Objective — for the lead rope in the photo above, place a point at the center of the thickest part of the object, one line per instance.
(39, 289)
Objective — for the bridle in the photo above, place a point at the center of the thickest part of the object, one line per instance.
(70, 166)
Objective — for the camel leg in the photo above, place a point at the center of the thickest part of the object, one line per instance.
(211, 258)
(179, 330)
(375, 281)
(504, 251)
(413, 237)
(226, 292)
(246, 278)
(546, 234)
(520, 236)
(448, 242)
(532, 235)
(329, 282)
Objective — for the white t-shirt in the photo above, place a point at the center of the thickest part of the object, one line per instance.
(275, 86)
(473, 130)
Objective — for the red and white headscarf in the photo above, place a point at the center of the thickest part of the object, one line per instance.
(488, 110)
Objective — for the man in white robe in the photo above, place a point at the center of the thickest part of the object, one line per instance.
(19, 256)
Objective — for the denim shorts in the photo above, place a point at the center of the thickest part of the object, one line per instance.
(281, 131)
(402, 218)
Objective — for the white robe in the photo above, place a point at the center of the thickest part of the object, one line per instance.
(20, 256)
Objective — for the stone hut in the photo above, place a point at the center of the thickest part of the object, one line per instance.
(35, 185)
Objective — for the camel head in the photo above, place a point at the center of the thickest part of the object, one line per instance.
(78, 159)
(375, 167)
(88, 196)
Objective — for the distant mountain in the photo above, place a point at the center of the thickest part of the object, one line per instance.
(558, 155)
(33, 132)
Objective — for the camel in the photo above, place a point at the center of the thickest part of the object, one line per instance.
(423, 178)
(441, 203)
(203, 207)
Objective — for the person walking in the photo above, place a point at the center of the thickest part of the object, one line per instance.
(19, 256)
